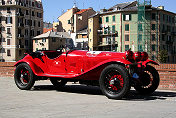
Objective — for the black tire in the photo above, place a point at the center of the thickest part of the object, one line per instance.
(150, 81)
(24, 77)
(114, 81)
(58, 83)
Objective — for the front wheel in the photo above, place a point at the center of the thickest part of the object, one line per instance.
(24, 77)
(114, 81)
(149, 81)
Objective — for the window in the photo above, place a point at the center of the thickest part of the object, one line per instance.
(53, 40)
(8, 53)
(113, 18)
(8, 31)
(20, 52)
(38, 32)
(140, 48)
(8, 10)
(163, 17)
(140, 38)
(33, 14)
(163, 37)
(39, 24)
(126, 27)
(9, 20)
(69, 22)
(8, 41)
(127, 37)
(153, 37)
(36, 41)
(126, 47)
(34, 23)
(127, 17)
(153, 26)
(153, 16)
(43, 40)
(36, 49)
(27, 12)
(26, 42)
(163, 27)
(26, 32)
(100, 20)
(113, 29)
(107, 19)
(113, 39)
(105, 31)
(140, 27)
(153, 47)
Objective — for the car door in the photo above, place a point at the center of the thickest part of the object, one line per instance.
(74, 64)
(57, 65)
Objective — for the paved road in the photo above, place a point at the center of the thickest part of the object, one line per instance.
(80, 102)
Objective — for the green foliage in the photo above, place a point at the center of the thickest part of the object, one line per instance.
(163, 54)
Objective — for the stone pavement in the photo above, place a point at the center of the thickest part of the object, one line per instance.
(76, 101)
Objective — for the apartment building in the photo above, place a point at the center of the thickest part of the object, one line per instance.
(52, 41)
(20, 21)
(75, 21)
(119, 28)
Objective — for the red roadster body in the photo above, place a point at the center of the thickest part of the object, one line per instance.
(111, 71)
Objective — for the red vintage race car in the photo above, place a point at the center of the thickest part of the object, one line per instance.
(114, 72)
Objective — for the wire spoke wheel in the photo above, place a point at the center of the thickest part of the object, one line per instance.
(114, 81)
(24, 77)
(149, 81)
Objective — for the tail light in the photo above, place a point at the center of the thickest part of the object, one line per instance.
(129, 55)
(144, 56)
(137, 56)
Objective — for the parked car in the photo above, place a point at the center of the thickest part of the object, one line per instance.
(113, 72)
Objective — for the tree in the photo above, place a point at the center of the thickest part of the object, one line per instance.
(163, 54)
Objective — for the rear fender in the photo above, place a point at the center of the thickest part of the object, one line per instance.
(36, 70)
(145, 63)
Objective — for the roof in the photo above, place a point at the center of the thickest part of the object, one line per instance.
(82, 11)
(46, 30)
(53, 35)
(122, 5)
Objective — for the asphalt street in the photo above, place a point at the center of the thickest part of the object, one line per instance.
(76, 101)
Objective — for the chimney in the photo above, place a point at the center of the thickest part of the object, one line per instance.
(161, 7)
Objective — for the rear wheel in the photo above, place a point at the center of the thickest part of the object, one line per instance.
(57, 82)
(114, 81)
(24, 77)
(149, 81)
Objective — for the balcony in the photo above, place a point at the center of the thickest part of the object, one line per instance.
(20, 25)
(20, 36)
(20, 14)
(108, 43)
(20, 46)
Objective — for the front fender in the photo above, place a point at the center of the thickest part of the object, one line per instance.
(36, 70)
(149, 61)
(120, 61)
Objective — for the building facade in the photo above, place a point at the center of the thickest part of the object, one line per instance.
(75, 21)
(20, 21)
(119, 29)
(52, 41)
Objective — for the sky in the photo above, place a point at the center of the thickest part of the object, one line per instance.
(54, 8)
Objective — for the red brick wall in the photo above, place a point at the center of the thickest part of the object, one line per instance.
(167, 74)
(7, 69)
